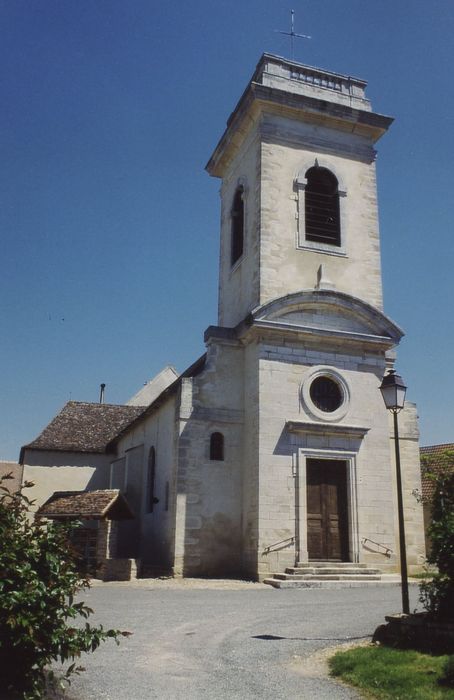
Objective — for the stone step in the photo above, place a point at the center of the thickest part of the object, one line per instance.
(328, 577)
(323, 571)
(319, 564)
(325, 575)
(326, 583)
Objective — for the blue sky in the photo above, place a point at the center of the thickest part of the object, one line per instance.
(109, 223)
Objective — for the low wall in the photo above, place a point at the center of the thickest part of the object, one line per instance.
(418, 631)
(118, 569)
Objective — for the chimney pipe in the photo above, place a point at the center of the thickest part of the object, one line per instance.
(101, 393)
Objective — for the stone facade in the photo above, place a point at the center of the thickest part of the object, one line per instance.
(293, 311)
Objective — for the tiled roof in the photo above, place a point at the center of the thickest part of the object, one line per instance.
(435, 454)
(96, 427)
(85, 427)
(86, 504)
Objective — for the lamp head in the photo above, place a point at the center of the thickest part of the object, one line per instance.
(393, 391)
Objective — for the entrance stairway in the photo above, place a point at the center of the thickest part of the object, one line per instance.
(326, 574)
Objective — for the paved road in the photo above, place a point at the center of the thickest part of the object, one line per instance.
(212, 644)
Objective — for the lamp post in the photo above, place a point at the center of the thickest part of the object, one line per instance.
(393, 391)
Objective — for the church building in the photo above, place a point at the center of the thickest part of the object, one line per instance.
(274, 448)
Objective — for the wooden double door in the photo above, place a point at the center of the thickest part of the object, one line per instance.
(327, 510)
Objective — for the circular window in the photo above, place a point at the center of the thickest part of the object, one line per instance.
(326, 394)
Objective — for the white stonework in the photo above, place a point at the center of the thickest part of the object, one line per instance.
(152, 389)
(48, 479)
(291, 311)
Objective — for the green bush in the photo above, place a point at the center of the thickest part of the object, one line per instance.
(38, 584)
(447, 677)
(437, 595)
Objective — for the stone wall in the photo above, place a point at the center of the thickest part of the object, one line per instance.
(208, 519)
(289, 264)
(118, 570)
(47, 480)
(111, 568)
(153, 529)
(239, 285)
(411, 484)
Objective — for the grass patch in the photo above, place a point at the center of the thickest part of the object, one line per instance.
(392, 674)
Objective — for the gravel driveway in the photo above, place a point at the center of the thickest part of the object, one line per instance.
(212, 640)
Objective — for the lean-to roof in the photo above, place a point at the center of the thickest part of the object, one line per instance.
(86, 504)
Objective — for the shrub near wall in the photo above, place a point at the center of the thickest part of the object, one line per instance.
(432, 631)
(38, 583)
(437, 595)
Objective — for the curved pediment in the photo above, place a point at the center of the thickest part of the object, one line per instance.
(330, 312)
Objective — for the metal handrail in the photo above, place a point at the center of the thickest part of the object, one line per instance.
(387, 551)
(285, 543)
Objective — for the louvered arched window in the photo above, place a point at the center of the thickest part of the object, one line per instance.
(322, 214)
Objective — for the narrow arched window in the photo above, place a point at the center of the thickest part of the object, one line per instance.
(322, 207)
(151, 500)
(237, 216)
(217, 447)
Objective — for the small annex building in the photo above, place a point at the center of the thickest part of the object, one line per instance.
(275, 446)
(95, 538)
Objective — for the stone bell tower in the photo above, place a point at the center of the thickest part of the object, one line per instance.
(301, 326)
(299, 208)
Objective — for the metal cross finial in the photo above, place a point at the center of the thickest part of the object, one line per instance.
(292, 34)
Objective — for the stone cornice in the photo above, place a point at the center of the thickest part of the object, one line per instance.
(258, 98)
(367, 123)
(221, 334)
(271, 133)
(300, 426)
(248, 330)
(383, 334)
(313, 331)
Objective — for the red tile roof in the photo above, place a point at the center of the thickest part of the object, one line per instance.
(434, 453)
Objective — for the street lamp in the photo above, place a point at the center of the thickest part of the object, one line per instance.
(393, 391)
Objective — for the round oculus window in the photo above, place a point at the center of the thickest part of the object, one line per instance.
(326, 394)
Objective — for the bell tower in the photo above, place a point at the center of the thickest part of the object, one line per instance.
(298, 194)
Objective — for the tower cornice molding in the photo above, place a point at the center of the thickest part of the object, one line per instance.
(258, 99)
(271, 133)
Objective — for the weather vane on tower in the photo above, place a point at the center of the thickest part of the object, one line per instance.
(292, 34)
